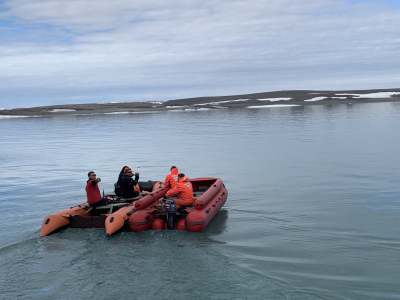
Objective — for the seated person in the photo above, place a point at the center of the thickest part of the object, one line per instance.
(172, 179)
(126, 187)
(122, 171)
(93, 192)
(184, 190)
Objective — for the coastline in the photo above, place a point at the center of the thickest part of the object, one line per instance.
(266, 99)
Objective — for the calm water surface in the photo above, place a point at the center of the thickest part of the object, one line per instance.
(312, 212)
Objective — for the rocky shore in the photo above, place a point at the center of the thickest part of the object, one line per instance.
(267, 99)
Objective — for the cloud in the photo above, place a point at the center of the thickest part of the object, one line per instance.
(67, 51)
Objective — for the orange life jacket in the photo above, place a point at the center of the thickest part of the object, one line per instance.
(184, 190)
(172, 179)
(137, 188)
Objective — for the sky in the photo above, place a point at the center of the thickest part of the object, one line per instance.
(91, 51)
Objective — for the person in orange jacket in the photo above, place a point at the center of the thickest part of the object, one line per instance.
(172, 179)
(183, 189)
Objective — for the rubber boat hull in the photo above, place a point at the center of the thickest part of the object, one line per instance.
(120, 218)
(210, 195)
(117, 220)
(207, 206)
(61, 220)
(112, 217)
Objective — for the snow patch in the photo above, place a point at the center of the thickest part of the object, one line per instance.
(117, 113)
(373, 95)
(275, 99)
(273, 105)
(219, 102)
(12, 117)
(315, 99)
(61, 110)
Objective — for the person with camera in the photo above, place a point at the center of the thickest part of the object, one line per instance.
(126, 186)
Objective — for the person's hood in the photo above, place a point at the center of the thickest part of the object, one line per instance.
(184, 179)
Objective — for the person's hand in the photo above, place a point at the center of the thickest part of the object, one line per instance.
(98, 179)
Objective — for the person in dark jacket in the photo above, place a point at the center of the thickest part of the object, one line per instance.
(93, 192)
(125, 186)
(120, 174)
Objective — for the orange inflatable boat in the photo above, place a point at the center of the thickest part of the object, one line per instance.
(61, 220)
(210, 195)
(119, 219)
(113, 217)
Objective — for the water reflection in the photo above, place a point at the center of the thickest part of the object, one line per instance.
(218, 223)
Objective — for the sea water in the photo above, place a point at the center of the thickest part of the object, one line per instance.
(312, 209)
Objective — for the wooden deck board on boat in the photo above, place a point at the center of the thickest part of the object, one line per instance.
(111, 206)
(79, 221)
(96, 221)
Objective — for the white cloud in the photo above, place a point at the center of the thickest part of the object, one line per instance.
(67, 51)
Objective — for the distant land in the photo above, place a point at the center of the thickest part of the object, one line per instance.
(258, 100)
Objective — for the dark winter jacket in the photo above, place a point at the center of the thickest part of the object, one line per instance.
(124, 186)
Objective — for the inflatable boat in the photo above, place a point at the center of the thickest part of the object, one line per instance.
(113, 217)
(210, 195)
(146, 211)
